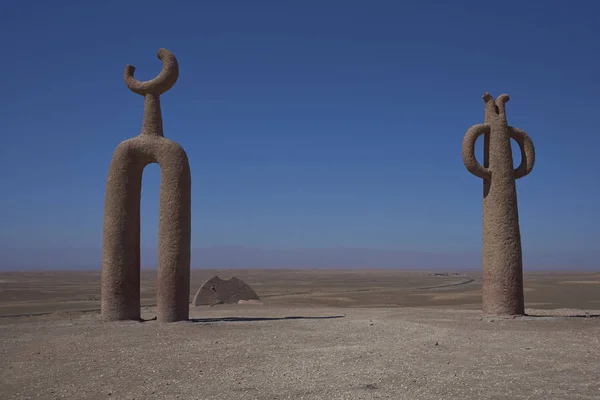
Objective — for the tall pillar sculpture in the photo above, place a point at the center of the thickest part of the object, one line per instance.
(121, 236)
(502, 254)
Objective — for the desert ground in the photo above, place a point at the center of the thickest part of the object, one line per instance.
(377, 334)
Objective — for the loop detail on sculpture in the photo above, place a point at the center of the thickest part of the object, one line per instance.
(468, 151)
(527, 151)
(163, 82)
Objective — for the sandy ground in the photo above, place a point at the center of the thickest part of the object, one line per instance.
(264, 352)
(295, 346)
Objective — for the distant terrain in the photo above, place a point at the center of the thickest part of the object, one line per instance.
(24, 293)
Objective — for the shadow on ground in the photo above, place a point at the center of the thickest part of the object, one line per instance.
(255, 319)
(562, 316)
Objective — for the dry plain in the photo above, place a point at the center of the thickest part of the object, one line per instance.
(319, 335)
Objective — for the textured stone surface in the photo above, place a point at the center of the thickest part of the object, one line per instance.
(219, 291)
(121, 237)
(502, 253)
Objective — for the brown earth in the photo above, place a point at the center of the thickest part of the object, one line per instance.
(319, 335)
(53, 291)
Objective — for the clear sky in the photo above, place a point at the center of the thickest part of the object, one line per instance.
(308, 124)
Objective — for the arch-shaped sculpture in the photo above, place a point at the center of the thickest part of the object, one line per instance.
(224, 291)
(502, 253)
(121, 236)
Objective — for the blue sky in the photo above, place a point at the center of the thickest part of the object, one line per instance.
(315, 124)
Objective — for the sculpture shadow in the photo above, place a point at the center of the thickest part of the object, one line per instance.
(256, 319)
(563, 316)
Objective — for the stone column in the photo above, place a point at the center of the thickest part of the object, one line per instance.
(121, 236)
(502, 253)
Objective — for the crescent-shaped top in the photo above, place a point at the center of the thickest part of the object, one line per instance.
(163, 82)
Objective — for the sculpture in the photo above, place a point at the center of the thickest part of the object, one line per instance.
(224, 291)
(502, 253)
(121, 236)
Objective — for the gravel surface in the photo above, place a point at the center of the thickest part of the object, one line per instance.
(265, 352)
